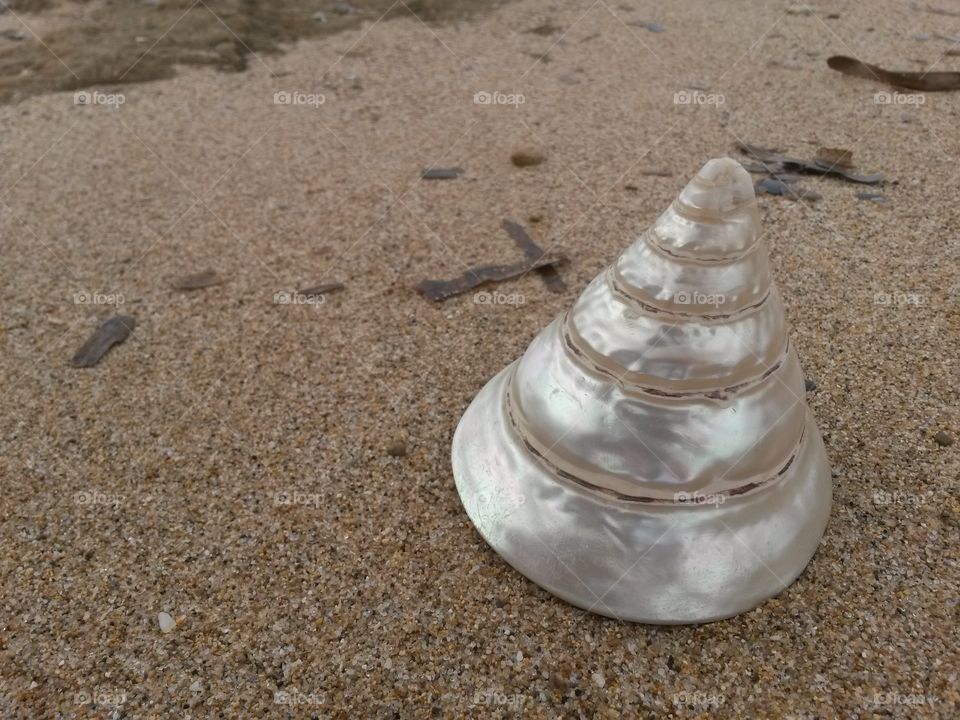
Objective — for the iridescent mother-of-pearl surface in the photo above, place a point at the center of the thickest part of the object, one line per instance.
(651, 456)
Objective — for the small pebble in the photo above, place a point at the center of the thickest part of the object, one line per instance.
(319, 16)
(598, 679)
(397, 448)
(343, 8)
(527, 158)
(943, 438)
(196, 687)
(810, 385)
(167, 623)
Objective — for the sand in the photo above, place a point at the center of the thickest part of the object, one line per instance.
(71, 44)
(275, 477)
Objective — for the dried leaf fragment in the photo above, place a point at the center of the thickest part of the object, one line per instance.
(113, 331)
(656, 173)
(773, 186)
(443, 289)
(835, 157)
(818, 167)
(435, 173)
(939, 11)
(761, 154)
(776, 164)
(924, 81)
(533, 252)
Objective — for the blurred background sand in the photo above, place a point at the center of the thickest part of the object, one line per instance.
(276, 477)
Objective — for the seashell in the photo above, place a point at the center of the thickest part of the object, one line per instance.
(651, 456)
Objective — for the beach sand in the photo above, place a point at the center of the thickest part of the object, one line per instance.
(276, 476)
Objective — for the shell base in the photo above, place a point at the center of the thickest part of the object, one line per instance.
(651, 563)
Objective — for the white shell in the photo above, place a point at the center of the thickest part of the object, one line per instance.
(651, 456)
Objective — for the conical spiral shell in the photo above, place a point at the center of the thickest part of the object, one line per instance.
(680, 346)
(671, 379)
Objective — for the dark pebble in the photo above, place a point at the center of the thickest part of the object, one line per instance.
(397, 448)
(441, 173)
(943, 438)
(526, 158)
